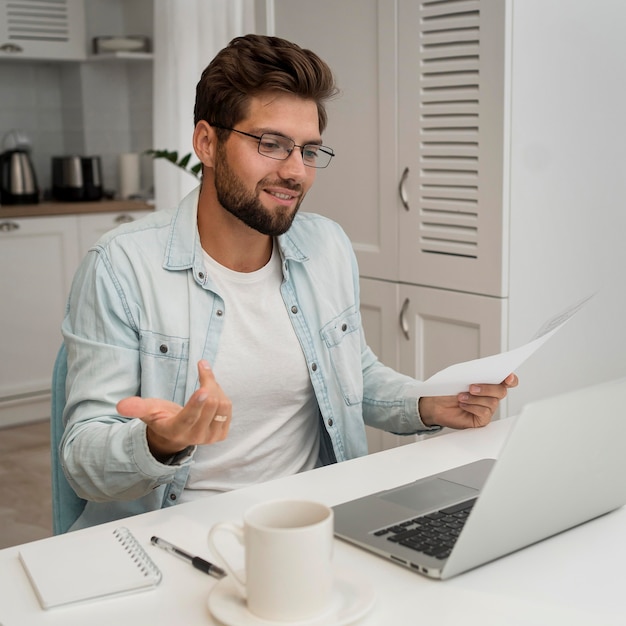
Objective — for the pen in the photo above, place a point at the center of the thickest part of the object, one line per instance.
(196, 561)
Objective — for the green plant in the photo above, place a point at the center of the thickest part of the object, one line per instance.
(183, 162)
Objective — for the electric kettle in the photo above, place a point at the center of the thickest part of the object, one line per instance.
(18, 182)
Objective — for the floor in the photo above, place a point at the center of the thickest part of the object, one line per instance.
(25, 496)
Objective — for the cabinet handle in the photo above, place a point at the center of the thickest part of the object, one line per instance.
(8, 227)
(403, 323)
(11, 47)
(124, 219)
(402, 191)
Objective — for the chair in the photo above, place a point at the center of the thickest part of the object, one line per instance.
(66, 505)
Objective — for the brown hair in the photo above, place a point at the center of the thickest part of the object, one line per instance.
(254, 64)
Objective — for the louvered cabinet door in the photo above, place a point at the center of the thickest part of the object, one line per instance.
(451, 157)
(42, 29)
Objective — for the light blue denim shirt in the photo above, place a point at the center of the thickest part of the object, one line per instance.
(143, 311)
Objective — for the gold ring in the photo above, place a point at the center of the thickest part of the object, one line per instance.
(220, 418)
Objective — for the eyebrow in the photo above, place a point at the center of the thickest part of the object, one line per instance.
(269, 131)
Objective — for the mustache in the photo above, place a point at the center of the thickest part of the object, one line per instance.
(281, 182)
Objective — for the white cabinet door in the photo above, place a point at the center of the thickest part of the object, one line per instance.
(440, 328)
(38, 257)
(420, 330)
(446, 327)
(379, 312)
(92, 226)
(42, 30)
(359, 188)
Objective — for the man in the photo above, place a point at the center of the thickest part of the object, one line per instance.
(221, 344)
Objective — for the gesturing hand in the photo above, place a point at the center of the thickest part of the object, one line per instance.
(171, 427)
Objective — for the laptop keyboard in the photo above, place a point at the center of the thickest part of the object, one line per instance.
(433, 534)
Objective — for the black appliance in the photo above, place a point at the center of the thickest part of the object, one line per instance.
(76, 178)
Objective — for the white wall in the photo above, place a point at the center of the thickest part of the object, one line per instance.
(568, 165)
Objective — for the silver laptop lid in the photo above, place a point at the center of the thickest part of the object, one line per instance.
(563, 464)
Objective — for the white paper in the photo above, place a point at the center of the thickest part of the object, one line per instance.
(494, 369)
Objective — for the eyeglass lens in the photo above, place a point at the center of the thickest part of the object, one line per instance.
(279, 147)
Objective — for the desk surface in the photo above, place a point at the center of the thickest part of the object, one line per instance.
(575, 578)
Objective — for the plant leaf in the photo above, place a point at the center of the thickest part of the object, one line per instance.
(183, 162)
(172, 155)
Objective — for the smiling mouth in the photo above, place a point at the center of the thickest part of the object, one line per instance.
(281, 196)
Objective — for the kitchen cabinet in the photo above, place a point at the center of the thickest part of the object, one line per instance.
(370, 189)
(38, 257)
(69, 101)
(419, 331)
(92, 227)
(379, 304)
(477, 170)
(51, 31)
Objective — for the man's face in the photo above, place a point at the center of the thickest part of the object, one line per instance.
(265, 193)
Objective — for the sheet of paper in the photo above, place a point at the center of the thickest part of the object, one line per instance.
(494, 369)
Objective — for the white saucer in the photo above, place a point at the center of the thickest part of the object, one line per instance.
(352, 599)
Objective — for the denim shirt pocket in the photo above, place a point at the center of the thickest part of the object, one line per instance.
(342, 338)
(164, 365)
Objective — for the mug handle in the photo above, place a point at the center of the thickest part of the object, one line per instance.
(236, 530)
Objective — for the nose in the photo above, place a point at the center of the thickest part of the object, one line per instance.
(293, 166)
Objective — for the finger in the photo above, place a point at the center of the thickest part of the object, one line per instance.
(205, 374)
(511, 381)
(481, 408)
(207, 379)
(218, 431)
(482, 400)
(146, 408)
(218, 421)
(490, 391)
(131, 407)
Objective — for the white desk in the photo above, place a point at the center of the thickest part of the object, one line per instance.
(576, 578)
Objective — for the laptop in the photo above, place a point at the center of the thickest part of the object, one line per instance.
(562, 464)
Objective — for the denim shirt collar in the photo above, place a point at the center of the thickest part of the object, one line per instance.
(183, 250)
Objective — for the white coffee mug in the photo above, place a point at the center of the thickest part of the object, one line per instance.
(288, 548)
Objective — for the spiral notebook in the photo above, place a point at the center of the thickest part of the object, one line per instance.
(79, 567)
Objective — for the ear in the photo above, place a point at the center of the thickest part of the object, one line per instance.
(204, 143)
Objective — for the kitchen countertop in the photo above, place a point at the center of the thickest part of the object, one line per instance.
(71, 208)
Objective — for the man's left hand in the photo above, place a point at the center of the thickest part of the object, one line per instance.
(470, 409)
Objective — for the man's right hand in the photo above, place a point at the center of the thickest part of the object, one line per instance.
(172, 428)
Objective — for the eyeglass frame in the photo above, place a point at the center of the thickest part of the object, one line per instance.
(326, 149)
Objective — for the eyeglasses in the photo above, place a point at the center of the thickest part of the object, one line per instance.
(279, 148)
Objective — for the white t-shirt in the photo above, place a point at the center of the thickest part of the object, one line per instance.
(260, 366)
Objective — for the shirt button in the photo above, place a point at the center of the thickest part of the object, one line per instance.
(314, 367)
(172, 496)
(344, 327)
(163, 348)
(294, 309)
(330, 421)
(219, 313)
(201, 275)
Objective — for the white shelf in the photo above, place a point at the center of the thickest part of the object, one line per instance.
(121, 56)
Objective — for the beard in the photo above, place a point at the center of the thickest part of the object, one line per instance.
(246, 206)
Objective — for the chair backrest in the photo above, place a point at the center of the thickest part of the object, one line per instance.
(66, 505)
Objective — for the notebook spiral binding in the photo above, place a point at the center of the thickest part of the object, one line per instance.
(137, 553)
